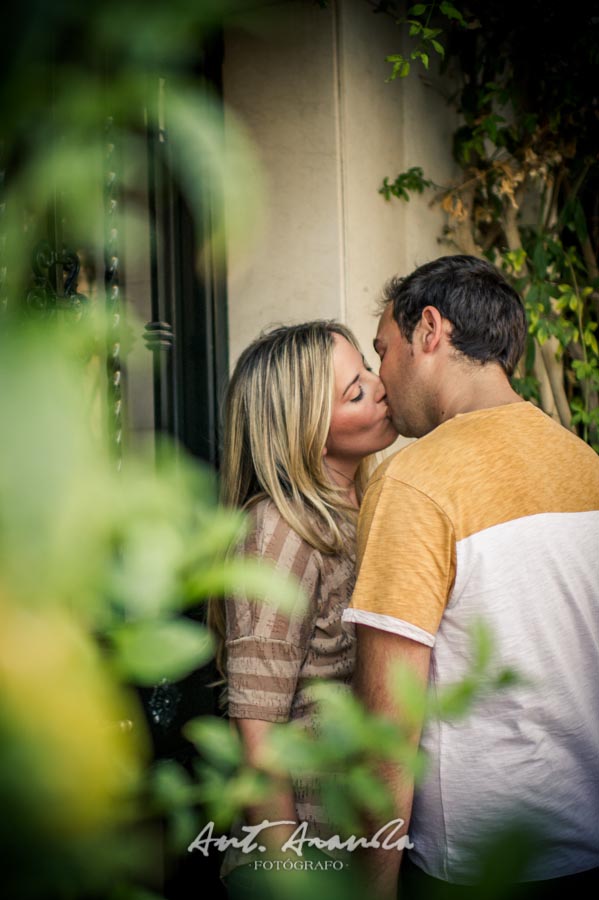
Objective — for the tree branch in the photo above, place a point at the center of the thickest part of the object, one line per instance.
(548, 369)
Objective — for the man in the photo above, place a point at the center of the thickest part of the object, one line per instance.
(492, 514)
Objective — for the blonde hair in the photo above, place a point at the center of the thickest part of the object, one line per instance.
(277, 417)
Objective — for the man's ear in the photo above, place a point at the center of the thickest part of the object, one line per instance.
(431, 328)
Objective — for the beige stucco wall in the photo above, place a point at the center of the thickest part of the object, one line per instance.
(309, 85)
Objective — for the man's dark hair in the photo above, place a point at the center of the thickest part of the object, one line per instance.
(487, 315)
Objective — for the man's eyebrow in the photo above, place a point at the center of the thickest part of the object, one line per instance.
(353, 381)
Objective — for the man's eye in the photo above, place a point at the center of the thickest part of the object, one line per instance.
(359, 397)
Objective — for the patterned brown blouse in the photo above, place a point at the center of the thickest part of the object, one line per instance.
(273, 656)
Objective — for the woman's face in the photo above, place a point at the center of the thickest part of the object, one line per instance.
(360, 422)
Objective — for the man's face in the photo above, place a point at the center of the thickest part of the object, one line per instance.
(402, 373)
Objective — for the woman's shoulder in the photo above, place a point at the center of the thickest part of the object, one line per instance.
(263, 511)
(272, 535)
(265, 517)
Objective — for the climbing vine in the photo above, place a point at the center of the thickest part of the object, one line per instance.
(525, 192)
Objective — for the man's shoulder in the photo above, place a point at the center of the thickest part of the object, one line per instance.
(408, 464)
(483, 447)
(492, 466)
(473, 444)
(381, 470)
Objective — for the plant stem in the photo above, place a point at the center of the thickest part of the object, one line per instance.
(585, 381)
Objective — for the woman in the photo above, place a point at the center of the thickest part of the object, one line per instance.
(303, 413)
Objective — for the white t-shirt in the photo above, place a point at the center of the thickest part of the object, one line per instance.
(495, 516)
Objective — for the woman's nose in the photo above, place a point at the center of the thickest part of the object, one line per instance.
(379, 392)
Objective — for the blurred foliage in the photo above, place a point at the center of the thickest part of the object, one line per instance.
(96, 569)
(346, 748)
(525, 194)
(100, 572)
(80, 86)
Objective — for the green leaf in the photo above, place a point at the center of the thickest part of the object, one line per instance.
(224, 797)
(170, 785)
(410, 694)
(482, 644)
(412, 760)
(449, 10)
(368, 791)
(508, 678)
(221, 529)
(144, 576)
(133, 892)
(516, 258)
(399, 66)
(339, 805)
(148, 651)
(183, 823)
(288, 748)
(385, 189)
(418, 9)
(412, 180)
(540, 261)
(455, 700)
(591, 341)
(438, 47)
(216, 740)
(583, 369)
(252, 578)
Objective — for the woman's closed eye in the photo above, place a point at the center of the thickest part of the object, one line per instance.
(359, 396)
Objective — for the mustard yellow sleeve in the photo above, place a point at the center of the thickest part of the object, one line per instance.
(406, 561)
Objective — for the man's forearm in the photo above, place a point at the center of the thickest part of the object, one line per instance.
(378, 653)
(382, 865)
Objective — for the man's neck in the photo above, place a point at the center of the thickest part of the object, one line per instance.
(473, 389)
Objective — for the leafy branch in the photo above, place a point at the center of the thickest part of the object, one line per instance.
(426, 39)
(412, 180)
(525, 197)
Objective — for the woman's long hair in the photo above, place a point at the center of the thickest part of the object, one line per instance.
(277, 417)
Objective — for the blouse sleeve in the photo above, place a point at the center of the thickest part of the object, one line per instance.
(266, 647)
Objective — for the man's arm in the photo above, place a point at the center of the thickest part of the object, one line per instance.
(378, 651)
